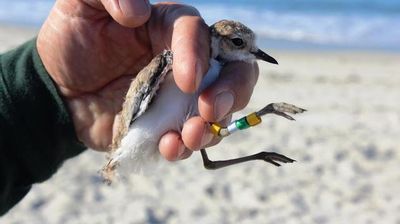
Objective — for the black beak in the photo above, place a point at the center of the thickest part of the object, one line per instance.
(264, 56)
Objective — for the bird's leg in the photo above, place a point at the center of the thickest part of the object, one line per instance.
(245, 122)
(270, 157)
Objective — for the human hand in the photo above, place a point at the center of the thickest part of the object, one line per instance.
(92, 50)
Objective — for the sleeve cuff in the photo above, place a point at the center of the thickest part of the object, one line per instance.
(39, 123)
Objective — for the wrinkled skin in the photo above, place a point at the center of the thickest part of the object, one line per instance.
(92, 49)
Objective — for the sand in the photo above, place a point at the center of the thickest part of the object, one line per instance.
(346, 146)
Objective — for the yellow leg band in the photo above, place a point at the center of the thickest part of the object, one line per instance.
(253, 119)
(215, 129)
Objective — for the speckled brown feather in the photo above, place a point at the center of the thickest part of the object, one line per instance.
(225, 28)
(138, 98)
(143, 88)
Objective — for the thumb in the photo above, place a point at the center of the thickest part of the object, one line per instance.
(130, 13)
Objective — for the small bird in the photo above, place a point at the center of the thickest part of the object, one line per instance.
(154, 105)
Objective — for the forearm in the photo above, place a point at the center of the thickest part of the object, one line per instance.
(37, 133)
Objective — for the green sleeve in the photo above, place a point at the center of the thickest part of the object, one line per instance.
(36, 131)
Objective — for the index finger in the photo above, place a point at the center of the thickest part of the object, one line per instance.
(191, 46)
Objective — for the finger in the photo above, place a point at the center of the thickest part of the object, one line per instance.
(230, 93)
(196, 133)
(190, 44)
(129, 13)
(172, 148)
(217, 140)
(186, 154)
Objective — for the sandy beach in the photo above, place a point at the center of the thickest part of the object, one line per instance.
(346, 146)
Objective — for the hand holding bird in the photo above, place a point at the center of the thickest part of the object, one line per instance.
(101, 47)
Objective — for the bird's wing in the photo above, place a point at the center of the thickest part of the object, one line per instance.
(141, 92)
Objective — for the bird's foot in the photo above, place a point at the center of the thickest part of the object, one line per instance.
(281, 109)
(274, 158)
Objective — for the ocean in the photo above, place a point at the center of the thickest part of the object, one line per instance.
(364, 24)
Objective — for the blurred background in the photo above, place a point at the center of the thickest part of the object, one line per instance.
(338, 58)
(372, 24)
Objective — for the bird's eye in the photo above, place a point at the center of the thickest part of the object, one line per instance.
(237, 41)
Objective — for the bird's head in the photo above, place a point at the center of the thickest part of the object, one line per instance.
(233, 41)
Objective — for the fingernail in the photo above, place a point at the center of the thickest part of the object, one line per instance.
(223, 104)
(181, 151)
(199, 74)
(207, 137)
(135, 8)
